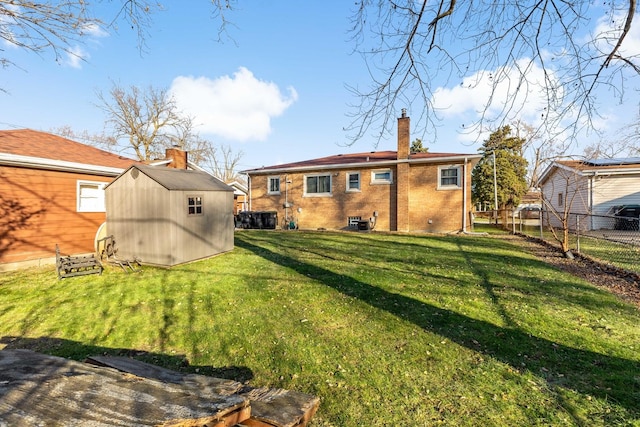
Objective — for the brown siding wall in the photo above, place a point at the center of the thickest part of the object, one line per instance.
(38, 210)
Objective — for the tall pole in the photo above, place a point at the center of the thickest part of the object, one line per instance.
(495, 185)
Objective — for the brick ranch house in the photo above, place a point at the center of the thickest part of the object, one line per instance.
(393, 190)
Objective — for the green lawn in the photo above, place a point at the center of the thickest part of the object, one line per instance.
(385, 329)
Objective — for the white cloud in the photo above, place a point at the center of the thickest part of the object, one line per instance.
(94, 30)
(238, 107)
(502, 93)
(606, 34)
(76, 55)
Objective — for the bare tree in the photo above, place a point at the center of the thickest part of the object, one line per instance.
(220, 160)
(559, 196)
(225, 162)
(149, 119)
(42, 27)
(625, 144)
(408, 45)
(539, 150)
(101, 141)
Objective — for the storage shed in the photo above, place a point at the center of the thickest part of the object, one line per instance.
(165, 216)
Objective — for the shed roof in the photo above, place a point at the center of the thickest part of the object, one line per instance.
(42, 145)
(182, 179)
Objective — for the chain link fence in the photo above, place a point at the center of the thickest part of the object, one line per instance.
(613, 240)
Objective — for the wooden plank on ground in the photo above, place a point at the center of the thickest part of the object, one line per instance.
(37, 389)
(202, 383)
(269, 407)
(280, 408)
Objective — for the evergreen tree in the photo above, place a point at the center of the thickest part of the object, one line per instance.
(417, 147)
(510, 170)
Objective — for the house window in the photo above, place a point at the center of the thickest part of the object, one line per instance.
(194, 205)
(352, 221)
(274, 185)
(449, 177)
(353, 181)
(560, 199)
(90, 196)
(382, 176)
(317, 185)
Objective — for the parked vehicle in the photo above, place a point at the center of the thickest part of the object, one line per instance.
(529, 212)
(627, 217)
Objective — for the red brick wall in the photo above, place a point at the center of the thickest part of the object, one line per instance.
(178, 158)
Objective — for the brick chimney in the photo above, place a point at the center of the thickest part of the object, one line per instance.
(402, 175)
(178, 158)
(403, 136)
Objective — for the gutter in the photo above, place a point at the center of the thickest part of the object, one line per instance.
(57, 165)
(334, 166)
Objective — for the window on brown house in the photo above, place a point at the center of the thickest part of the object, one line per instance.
(353, 181)
(382, 176)
(449, 177)
(317, 185)
(273, 183)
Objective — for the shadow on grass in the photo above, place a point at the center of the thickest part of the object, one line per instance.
(78, 351)
(599, 375)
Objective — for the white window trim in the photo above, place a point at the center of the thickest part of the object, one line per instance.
(329, 194)
(100, 206)
(450, 187)
(269, 178)
(375, 181)
(353, 190)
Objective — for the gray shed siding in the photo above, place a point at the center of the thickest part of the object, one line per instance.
(150, 222)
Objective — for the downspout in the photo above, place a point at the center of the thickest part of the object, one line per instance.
(249, 185)
(590, 203)
(464, 198)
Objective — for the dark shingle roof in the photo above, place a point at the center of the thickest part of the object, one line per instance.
(357, 158)
(183, 179)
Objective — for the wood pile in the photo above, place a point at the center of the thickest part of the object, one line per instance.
(38, 389)
(71, 266)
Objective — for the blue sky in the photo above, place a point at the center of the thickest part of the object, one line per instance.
(275, 91)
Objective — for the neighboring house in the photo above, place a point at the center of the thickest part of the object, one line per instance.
(240, 199)
(168, 216)
(393, 190)
(51, 192)
(593, 187)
